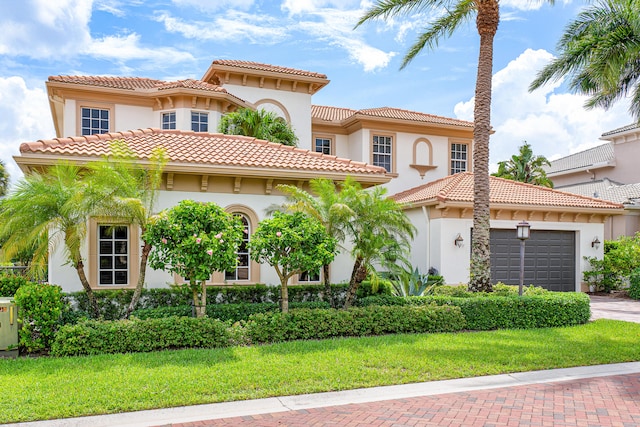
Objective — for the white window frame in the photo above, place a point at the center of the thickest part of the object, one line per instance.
(326, 145)
(170, 123)
(382, 151)
(459, 155)
(95, 125)
(199, 122)
(116, 256)
(242, 254)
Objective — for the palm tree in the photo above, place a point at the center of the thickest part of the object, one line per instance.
(259, 124)
(381, 234)
(4, 179)
(122, 188)
(328, 206)
(525, 167)
(455, 13)
(600, 52)
(44, 209)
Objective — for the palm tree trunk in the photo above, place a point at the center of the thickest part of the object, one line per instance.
(358, 274)
(480, 269)
(93, 303)
(146, 249)
(327, 285)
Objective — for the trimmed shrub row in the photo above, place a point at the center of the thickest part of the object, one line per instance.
(137, 335)
(305, 324)
(113, 303)
(9, 284)
(225, 312)
(505, 312)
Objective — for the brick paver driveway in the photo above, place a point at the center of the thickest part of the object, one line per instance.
(604, 401)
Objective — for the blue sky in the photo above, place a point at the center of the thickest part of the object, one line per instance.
(177, 39)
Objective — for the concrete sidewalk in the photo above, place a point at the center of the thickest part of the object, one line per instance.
(199, 414)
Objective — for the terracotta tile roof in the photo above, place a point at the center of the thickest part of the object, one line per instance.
(204, 149)
(336, 114)
(131, 83)
(192, 84)
(599, 156)
(267, 67)
(136, 83)
(605, 189)
(633, 126)
(331, 114)
(459, 188)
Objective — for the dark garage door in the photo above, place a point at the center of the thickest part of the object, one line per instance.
(549, 259)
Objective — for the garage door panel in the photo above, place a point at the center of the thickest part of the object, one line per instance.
(549, 258)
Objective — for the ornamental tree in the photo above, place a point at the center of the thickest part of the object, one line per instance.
(291, 244)
(194, 240)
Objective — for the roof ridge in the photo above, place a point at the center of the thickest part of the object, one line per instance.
(454, 180)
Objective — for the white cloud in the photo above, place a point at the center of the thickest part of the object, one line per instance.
(44, 28)
(233, 26)
(127, 48)
(25, 117)
(212, 6)
(554, 123)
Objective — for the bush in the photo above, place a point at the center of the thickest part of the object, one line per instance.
(9, 284)
(137, 335)
(634, 284)
(486, 312)
(355, 322)
(225, 312)
(40, 307)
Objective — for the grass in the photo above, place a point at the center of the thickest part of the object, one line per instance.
(48, 388)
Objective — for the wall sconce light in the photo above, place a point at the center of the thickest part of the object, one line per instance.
(458, 241)
(595, 243)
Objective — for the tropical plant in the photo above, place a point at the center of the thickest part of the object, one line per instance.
(125, 189)
(452, 14)
(380, 234)
(291, 243)
(621, 258)
(600, 52)
(259, 124)
(409, 282)
(328, 206)
(525, 167)
(194, 240)
(4, 179)
(45, 209)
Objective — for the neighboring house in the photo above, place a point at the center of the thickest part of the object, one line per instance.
(609, 171)
(378, 146)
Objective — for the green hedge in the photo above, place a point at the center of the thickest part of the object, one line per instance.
(226, 312)
(484, 312)
(9, 284)
(634, 284)
(113, 303)
(355, 322)
(40, 308)
(136, 335)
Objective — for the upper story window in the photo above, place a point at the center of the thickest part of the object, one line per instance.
(322, 145)
(94, 121)
(199, 121)
(243, 268)
(383, 151)
(169, 120)
(459, 158)
(113, 255)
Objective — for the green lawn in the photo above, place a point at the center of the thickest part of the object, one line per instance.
(44, 388)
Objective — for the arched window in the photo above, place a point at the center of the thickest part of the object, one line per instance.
(243, 270)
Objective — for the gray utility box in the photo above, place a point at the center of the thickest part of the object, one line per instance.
(8, 328)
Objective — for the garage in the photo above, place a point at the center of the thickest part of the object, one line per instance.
(549, 259)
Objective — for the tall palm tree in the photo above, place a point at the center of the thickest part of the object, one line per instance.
(259, 124)
(454, 14)
(4, 179)
(600, 52)
(525, 167)
(122, 188)
(328, 206)
(381, 234)
(46, 209)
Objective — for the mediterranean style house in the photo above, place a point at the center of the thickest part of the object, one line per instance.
(424, 160)
(609, 172)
